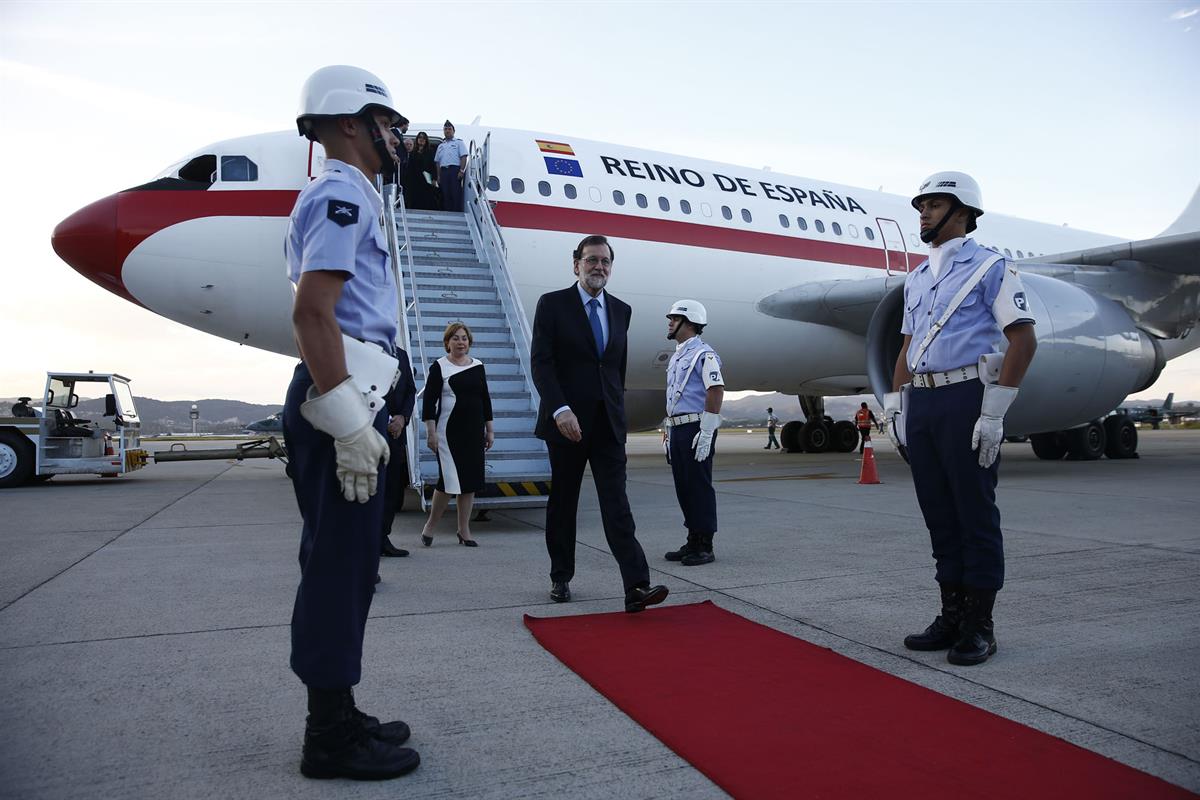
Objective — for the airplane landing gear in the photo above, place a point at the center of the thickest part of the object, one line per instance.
(1115, 437)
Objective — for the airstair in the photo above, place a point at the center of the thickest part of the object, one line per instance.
(453, 267)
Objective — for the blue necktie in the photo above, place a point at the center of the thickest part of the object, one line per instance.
(594, 319)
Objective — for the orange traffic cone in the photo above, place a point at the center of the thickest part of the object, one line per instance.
(869, 474)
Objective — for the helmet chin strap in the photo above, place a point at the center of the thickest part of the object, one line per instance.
(387, 168)
(928, 236)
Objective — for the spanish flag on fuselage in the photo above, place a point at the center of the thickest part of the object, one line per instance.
(555, 148)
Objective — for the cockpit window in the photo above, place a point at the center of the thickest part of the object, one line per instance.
(202, 169)
(238, 168)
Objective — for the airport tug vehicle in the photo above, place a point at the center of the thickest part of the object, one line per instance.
(38, 443)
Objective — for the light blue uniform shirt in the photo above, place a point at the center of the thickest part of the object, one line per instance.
(335, 226)
(450, 153)
(686, 393)
(976, 326)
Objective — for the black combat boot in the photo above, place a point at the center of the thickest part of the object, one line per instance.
(943, 631)
(688, 547)
(337, 743)
(976, 635)
(391, 732)
(702, 553)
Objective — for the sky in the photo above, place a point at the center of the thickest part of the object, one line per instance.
(1080, 113)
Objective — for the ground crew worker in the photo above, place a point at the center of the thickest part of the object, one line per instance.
(951, 422)
(772, 422)
(863, 419)
(695, 390)
(345, 311)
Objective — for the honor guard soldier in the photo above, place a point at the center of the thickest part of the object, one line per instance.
(951, 389)
(695, 390)
(345, 320)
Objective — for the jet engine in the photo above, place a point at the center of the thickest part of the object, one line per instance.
(1090, 355)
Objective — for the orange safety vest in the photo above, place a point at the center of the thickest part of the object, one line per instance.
(863, 418)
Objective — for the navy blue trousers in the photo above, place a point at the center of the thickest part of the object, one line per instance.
(606, 456)
(452, 190)
(339, 552)
(693, 480)
(957, 496)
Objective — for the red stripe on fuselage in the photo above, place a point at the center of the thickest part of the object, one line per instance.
(570, 220)
(142, 213)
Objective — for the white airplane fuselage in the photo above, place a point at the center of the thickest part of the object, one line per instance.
(722, 234)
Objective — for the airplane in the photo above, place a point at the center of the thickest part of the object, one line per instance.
(1156, 415)
(802, 278)
(271, 424)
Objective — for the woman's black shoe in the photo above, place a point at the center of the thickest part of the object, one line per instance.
(467, 542)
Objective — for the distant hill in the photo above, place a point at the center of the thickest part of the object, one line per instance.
(174, 416)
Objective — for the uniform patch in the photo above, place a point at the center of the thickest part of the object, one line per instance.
(1020, 302)
(712, 376)
(342, 212)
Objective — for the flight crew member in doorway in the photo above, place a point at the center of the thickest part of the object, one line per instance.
(345, 306)
(695, 390)
(579, 350)
(953, 422)
(451, 160)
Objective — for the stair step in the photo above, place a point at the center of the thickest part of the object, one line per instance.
(444, 280)
(444, 313)
(487, 296)
(433, 265)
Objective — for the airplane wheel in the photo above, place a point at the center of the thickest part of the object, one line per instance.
(816, 437)
(1049, 446)
(16, 459)
(845, 436)
(789, 437)
(1086, 443)
(1122, 438)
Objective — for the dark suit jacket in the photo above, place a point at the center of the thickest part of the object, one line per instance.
(566, 369)
(403, 396)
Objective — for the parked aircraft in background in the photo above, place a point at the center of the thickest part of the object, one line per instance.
(272, 424)
(1156, 415)
(802, 278)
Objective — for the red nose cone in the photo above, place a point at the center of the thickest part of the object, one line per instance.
(87, 240)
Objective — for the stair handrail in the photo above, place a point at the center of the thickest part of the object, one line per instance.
(495, 252)
(394, 199)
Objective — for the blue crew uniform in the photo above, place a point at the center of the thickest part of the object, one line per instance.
(693, 369)
(956, 495)
(335, 226)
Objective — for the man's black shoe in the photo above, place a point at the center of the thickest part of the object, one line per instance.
(560, 592)
(943, 631)
(346, 750)
(698, 557)
(637, 598)
(390, 549)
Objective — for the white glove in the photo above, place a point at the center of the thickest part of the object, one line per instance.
(702, 444)
(343, 414)
(989, 428)
(892, 402)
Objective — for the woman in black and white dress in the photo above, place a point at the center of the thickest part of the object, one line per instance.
(457, 411)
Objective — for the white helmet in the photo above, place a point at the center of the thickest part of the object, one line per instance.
(958, 185)
(341, 91)
(691, 310)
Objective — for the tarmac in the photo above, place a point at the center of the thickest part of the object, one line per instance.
(144, 622)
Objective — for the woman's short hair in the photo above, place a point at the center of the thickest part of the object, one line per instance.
(452, 329)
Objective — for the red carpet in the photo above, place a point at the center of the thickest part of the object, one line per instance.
(766, 715)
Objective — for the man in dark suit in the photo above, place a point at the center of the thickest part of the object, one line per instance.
(400, 401)
(579, 352)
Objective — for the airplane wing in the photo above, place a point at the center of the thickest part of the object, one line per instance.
(1178, 254)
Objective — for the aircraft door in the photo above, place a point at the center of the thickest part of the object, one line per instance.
(484, 160)
(895, 251)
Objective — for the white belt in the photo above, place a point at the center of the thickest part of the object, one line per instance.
(932, 380)
(680, 419)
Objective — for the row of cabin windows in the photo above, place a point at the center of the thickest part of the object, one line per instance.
(544, 189)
